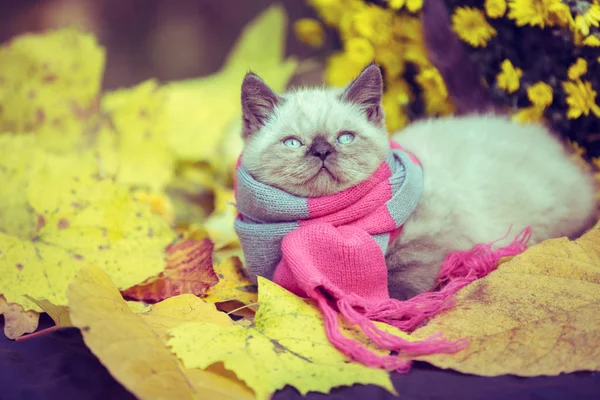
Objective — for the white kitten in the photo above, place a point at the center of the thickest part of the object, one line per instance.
(482, 172)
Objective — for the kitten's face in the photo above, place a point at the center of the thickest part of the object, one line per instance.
(314, 142)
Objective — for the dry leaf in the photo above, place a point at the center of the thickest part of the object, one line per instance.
(82, 219)
(59, 314)
(234, 283)
(189, 270)
(131, 346)
(286, 345)
(537, 314)
(17, 322)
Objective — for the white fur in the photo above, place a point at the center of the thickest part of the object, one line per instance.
(484, 173)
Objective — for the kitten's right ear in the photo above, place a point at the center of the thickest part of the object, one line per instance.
(366, 91)
(258, 103)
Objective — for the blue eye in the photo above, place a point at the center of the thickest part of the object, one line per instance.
(345, 138)
(292, 143)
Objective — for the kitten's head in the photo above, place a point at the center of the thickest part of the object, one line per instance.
(314, 142)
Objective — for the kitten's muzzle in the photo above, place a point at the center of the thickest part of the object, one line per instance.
(321, 148)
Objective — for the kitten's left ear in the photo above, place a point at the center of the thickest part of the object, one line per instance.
(258, 103)
(366, 91)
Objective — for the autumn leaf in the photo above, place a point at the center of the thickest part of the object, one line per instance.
(234, 283)
(16, 216)
(84, 219)
(189, 270)
(140, 139)
(17, 322)
(286, 345)
(205, 108)
(132, 346)
(59, 314)
(219, 224)
(49, 84)
(537, 314)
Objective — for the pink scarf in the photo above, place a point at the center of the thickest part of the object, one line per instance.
(332, 250)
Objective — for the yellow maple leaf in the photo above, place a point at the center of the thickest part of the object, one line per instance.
(203, 108)
(132, 346)
(59, 314)
(16, 217)
(234, 283)
(84, 220)
(141, 135)
(537, 314)
(49, 84)
(17, 321)
(286, 345)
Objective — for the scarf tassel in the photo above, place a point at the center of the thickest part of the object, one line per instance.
(458, 270)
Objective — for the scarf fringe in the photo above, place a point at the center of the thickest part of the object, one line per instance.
(458, 270)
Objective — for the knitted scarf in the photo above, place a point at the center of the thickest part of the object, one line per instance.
(332, 250)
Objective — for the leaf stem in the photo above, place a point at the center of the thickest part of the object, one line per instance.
(38, 333)
(242, 307)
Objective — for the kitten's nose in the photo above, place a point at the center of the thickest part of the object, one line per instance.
(321, 148)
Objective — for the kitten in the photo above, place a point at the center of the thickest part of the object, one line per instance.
(482, 172)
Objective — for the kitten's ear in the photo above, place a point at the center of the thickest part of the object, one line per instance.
(366, 91)
(258, 103)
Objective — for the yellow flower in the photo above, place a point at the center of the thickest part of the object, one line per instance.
(529, 115)
(495, 8)
(591, 17)
(395, 99)
(509, 77)
(534, 12)
(581, 98)
(577, 69)
(431, 81)
(389, 57)
(396, 4)
(373, 23)
(414, 5)
(359, 50)
(310, 31)
(592, 41)
(340, 69)
(471, 26)
(540, 94)
(330, 11)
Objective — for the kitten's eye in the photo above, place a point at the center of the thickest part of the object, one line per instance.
(292, 143)
(345, 138)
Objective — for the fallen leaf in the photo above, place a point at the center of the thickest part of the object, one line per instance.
(49, 80)
(189, 270)
(537, 314)
(219, 224)
(286, 345)
(203, 108)
(234, 283)
(141, 136)
(131, 346)
(17, 322)
(16, 216)
(84, 220)
(59, 314)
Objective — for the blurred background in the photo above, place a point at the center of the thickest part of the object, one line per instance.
(163, 39)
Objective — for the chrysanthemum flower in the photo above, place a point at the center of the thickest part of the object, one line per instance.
(588, 18)
(495, 8)
(540, 94)
(577, 69)
(472, 27)
(533, 12)
(310, 31)
(581, 98)
(509, 77)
